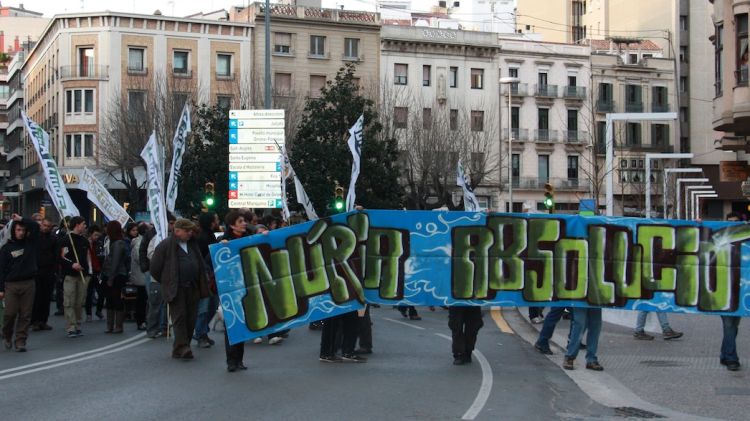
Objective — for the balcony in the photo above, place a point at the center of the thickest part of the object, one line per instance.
(520, 135)
(546, 91)
(84, 72)
(634, 106)
(138, 71)
(741, 76)
(529, 183)
(647, 147)
(545, 135)
(517, 89)
(605, 106)
(659, 107)
(575, 136)
(574, 92)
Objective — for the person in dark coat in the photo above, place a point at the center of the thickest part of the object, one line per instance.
(178, 266)
(464, 322)
(115, 275)
(18, 270)
(48, 254)
(209, 224)
(76, 269)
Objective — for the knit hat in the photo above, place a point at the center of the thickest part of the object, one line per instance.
(185, 224)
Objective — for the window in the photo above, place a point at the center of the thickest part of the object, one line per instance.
(742, 53)
(515, 117)
(86, 61)
(223, 65)
(180, 62)
(513, 72)
(400, 72)
(477, 121)
(659, 98)
(136, 59)
(683, 114)
(224, 101)
(79, 101)
(659, 134)
(79, 145)
(426, 118)
(633, 102)
(683, 23)
(632, 58)
(400, 117)
(601, 136)
(572, 120)
(633, 134)
(282, 83)
(136, 101)
(572, 81)
(351, 48)
(572, 167)
(317, 83)
(605, 92)
(515, 166)
(317, 45)
(718, 63)
(683, 84)
(623, 163)
(542, 78)
(453, 77)
(282, 43)
(543, 119)
(683, 54)
(426, 75)
(477, 78)
(454, 120)
(543, 168)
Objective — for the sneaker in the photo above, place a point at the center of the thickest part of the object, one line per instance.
(330, 359)
(232, 368)
(543, 349)
(458, 361)
(275, 340)
(537, 320)
(79, 332)
(203, 343)
(211, 341)
(671, 334)
(642, 336)
(569, 363)
(241, 366)
(594, 366)
(99, 315)
(733, 365)
(363, 351)
(72, 334)
(467, 359)
(155, 335)
(353, 358)
(415, 317)
(142, 326)
(20, 348)
(582, 346)
(187, 354)
(258, 340)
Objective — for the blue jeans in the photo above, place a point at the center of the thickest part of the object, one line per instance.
(641, 323)
(590, 319)
(548, 328)
(206, 311)
(729, 342)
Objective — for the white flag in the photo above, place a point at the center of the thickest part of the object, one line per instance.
(304, 200)
(179, 143)
(99, 196)
(286, 171)
(5, 233)
(54, 182)
(470, 200)
(156, 205)
(355, 146)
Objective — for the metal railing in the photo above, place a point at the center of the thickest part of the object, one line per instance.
(575, 136)
(634, 106)
(518, 89)
(545, 135)
(574, 92)
(605, 105)
(84, 72)
(546, 91)
(518, 134)
(560, 184)
(741, 75)
(657, 107)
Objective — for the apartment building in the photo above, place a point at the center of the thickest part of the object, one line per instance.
(86, 63)
(550, 122)
(632, 78)
(11, 127)
(439, 92)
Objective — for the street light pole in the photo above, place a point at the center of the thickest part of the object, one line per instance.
(509, 81)
(679, 192)
(698, 197)
(668, 171)
(649, 157)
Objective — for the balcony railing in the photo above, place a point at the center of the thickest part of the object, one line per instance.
(575, 136)
(657, 107)
(139, 71)
(634, 106)
(572, 184)
(605, 106)
(84, 72)
(518, 134)
(741, 75)
(549, 91)
(560, 184)
(648, 147)
(574, 92)
(518, 89)
(545, 135)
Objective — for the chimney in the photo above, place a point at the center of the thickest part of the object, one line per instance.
(16, 44)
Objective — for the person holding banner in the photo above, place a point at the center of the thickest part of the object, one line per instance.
(178, 266)
(76, 269)
(730, 325)
(464, 322)
(18, 269)
(589, 319)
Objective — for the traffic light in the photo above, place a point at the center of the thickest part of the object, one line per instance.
(339, 204)
(549, 197)
(210, 191)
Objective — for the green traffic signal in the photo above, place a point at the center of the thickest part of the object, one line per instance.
(549, 203)
(338, 204)
(210, 201)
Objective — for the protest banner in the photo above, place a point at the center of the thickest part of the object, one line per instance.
(312, 271)
(100, 196)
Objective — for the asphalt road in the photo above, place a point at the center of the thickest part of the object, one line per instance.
(409, 376)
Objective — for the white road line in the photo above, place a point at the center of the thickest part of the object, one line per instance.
(484, 389)
(80, 354)
(403, 323)
(48, 367)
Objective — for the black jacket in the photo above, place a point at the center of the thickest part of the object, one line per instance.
(18, 258)
(48, 252)
(143, 250)
(68, 257)
(117, 262)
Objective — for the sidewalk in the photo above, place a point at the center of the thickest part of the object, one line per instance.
(683, 375)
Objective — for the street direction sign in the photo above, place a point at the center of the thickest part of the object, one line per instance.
(254, 158)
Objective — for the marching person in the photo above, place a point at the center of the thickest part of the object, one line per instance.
(115, 276)
(156, 324)
(138, 278)
(209, 224)
(584, 319)
(48, 250)
(464, 322)
(76, 269)
(178, 266)
(730, 325)
(95, 292)
(667, 332)
(18, 269)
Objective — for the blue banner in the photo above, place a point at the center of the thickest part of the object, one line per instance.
(312, 271)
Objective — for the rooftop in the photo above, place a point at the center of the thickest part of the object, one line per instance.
(621, 44)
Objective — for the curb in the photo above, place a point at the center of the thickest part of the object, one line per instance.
(601, 387)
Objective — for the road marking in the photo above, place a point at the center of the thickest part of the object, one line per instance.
(80, 354)
(484, 389)
(89, 357)
(497, 316)
(403, 323)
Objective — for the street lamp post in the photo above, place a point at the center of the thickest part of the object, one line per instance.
(649, 157)
(679, 192)
(510, 81)
(696, 204)
(668, 171)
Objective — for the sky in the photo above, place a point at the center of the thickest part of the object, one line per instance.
(170, 7)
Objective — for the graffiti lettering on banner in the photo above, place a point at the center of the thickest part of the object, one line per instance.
(312, 271)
